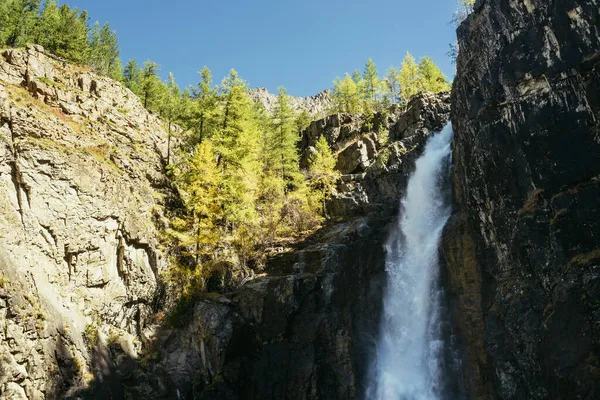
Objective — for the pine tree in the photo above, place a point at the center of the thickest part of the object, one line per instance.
(170, 109)
(236, 143)
(150, 85)
(371, 84)
(346, 95)
(63, 32)
(284, 140)
(132, 76)
(18, 19)
(205, 111)
(104, 50)
(322, 172)
(409, 78)
(432, 78)
(199, 180)
(392, 82)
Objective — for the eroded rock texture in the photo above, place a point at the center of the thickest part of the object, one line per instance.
(81, 166)
(523, 250)
(375, 156)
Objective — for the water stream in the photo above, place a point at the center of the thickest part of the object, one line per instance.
(409, 359)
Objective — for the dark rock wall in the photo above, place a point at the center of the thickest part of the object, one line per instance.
(523, 248)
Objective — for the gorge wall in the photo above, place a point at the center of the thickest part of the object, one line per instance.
(81, 185)
(522, 251)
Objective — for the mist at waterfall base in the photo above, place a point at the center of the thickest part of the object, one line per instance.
(411, 355)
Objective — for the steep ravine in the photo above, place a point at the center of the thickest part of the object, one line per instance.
(522, 248)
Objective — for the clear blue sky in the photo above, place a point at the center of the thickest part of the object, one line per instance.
(302, 45)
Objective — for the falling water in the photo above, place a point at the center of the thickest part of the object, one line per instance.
(408, 361)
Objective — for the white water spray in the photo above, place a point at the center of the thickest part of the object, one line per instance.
(409, 349)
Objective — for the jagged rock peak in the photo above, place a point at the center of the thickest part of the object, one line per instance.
(317, 105)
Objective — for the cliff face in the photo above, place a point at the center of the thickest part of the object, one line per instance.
(523, 248)
(81, 166)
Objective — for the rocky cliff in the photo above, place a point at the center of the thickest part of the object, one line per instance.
(523, 249)
(81, 182)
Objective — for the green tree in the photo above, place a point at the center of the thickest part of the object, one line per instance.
(236, 143)
(18, 19)
(104, 50)
(199, 181)
(63, 31)
(322, 172)
(170, 109)
(205, 106)
(132, 76)
(392, 84)
(371, 83)
(283, 151)
(432, 78)
(346, 95)
(150, 85)
(409, 78)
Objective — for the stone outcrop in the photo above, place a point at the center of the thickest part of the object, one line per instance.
(375, 167)
(81, 182)
(304, 331)
(523, 249)
(317, 105)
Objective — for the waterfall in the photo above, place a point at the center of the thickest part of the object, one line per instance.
(409, 355)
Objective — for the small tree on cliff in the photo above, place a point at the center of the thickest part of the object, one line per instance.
(322, 172)
(170, 109)
(150, 85)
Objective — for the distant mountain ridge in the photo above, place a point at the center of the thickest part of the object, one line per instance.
(316, 105)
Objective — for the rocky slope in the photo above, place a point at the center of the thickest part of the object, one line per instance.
(81, 165)
(317, 105)
(523, 249)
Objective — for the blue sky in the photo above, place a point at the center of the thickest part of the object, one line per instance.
(302, 45)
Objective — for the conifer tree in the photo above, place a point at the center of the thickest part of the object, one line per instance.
(322, 172)
(236, 143)
(150, 85)
(409, 78)
(346, 95)
(170, 109)
(392, 83)
(205, 103)
(432, 78)
(371, 83)
(132, 76)
(199, 180)
(104, 50)
(18, 19)
(284, 139)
